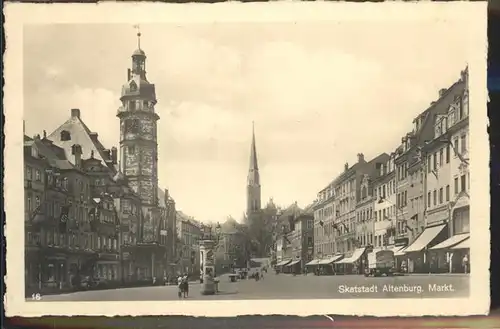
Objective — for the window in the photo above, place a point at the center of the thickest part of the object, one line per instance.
(429, 168)
(441, 162)
(441, 195)
(434, 161)
(28, 172)
(463, 183)
(463, 144)
(455, 146)
(456, 185)
(448, 154)
(65, 135)
(435, 197)
(131, 149)
(38, 175)
(447, 193)
(428, 199)
(37, 201)
(29, 206)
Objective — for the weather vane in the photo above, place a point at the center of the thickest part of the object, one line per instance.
(138, 28)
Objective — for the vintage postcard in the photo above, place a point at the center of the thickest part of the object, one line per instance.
(218, 160)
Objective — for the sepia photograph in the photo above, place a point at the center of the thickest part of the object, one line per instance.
(229, 161)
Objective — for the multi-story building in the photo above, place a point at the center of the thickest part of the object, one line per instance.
(444, 164)
(364, 213)
(385, 210)
(347, 196)
(324, 214)
(301, 238)
(189, 233)
(336, 225)
(285, 244)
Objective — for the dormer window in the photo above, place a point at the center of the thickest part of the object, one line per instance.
(34, 152)
(133, 86)
(65, 136)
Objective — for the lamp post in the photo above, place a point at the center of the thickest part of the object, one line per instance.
(208, 246)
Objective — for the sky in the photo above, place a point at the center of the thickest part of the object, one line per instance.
(318, 92)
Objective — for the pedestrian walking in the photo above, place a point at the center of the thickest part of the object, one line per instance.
(465, 264)
(185, 285)
(180, 286)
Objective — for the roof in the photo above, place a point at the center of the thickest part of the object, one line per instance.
(50, 153)
(139, 52)
(80, 134)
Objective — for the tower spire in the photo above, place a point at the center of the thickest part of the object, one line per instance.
(138, 29)
(254, 166)
(253, 186)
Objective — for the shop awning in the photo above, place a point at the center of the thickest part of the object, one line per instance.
(313, 262)
(395, 249)
(284, 262)
(456, 239)
(463, 245)
(425, 238)
(400, 252)
(294, 262)
(329, 260)
(355, 256)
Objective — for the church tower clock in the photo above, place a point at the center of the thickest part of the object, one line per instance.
(138, 132)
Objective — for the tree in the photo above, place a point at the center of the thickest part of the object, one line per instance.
(261, 227)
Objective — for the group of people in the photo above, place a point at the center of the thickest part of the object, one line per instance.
(183, 284)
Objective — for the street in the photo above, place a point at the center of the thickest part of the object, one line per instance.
(285, 286)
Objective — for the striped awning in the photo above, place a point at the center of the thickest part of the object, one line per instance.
(313, 262)
(284, 262)
(330, 260)
(463, 245)
(294, 262)
(454, 240)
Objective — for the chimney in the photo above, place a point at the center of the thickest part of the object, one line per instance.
(361, 157)
(346, 166)
(75, 113)
(114, 155)
(433, 102)
(77, 152)
(442, 91)
(93, 136)
(107, 153)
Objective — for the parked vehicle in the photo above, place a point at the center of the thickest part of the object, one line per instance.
(380, 263)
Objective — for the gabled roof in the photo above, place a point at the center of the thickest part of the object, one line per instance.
(49, 153)
(80, 134)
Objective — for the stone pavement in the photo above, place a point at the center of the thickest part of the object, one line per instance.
(285, 286)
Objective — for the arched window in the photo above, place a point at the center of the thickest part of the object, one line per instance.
(133, 86)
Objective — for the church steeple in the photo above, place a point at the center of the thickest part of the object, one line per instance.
(253, 181)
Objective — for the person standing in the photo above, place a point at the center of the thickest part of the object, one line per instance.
(465, 264)
(185, 282)
(180, 286)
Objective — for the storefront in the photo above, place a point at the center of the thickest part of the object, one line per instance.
(417, 257)
(326, 266)
(281, 266)
(446, 262)
(353, 264)
(293, 267)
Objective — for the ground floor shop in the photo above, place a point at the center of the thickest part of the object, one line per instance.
(145, 262)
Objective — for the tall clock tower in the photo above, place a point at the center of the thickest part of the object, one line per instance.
(138, 132)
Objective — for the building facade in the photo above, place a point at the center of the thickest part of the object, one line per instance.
(443, 162)
(190, 233)
(385, 205)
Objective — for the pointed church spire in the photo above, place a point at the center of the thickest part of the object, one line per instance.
(253, 186)
(253, 151)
